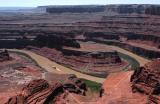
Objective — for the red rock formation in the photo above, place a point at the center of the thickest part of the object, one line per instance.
(75, 85)
(134, 22)
(37, 92)
(19, 99)
(146, 79)
(93, 63)
(154, 99)
(41, 92)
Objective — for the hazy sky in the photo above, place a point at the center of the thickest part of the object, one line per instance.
(31, 3)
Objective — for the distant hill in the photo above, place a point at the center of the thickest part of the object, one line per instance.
(108, 9)
(20, 10)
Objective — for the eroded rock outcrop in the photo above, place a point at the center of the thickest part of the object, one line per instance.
(41, 92)
(153, 10)
(146, 79)
(135, 48)
(37, 92)
(75, 85)
(4, 56)
(92, 63)
(55, 41)
(101, 58)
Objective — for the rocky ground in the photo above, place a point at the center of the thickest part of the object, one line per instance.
(131, 87)
(134, 28)
(42, 92)
(146, 80)
(32, 82)
(117, 89)
(138, 87)
(18, 72)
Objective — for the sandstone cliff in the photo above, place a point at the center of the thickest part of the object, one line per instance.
(42, 92)
(146, 80)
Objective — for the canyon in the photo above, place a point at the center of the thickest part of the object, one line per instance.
(112, 24)
(92, 54)
(138, 86)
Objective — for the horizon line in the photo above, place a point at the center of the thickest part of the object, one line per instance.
(72, 5)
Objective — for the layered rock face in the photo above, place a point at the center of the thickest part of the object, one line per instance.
(146, 80)
(153, 10)
(137, 9)
(114, 9)
(136, 47)
(93, 63)
(100, 57)
(41, 92)
(55, 41)
(126, 9)
(75, 9)
(134, 23)
(75, 85)
(136, 33)
(36, 92)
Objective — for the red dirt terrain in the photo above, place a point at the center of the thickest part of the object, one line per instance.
(134, 28)
(130, 87)
(16, 73)
(138, 87)
(117, 90)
